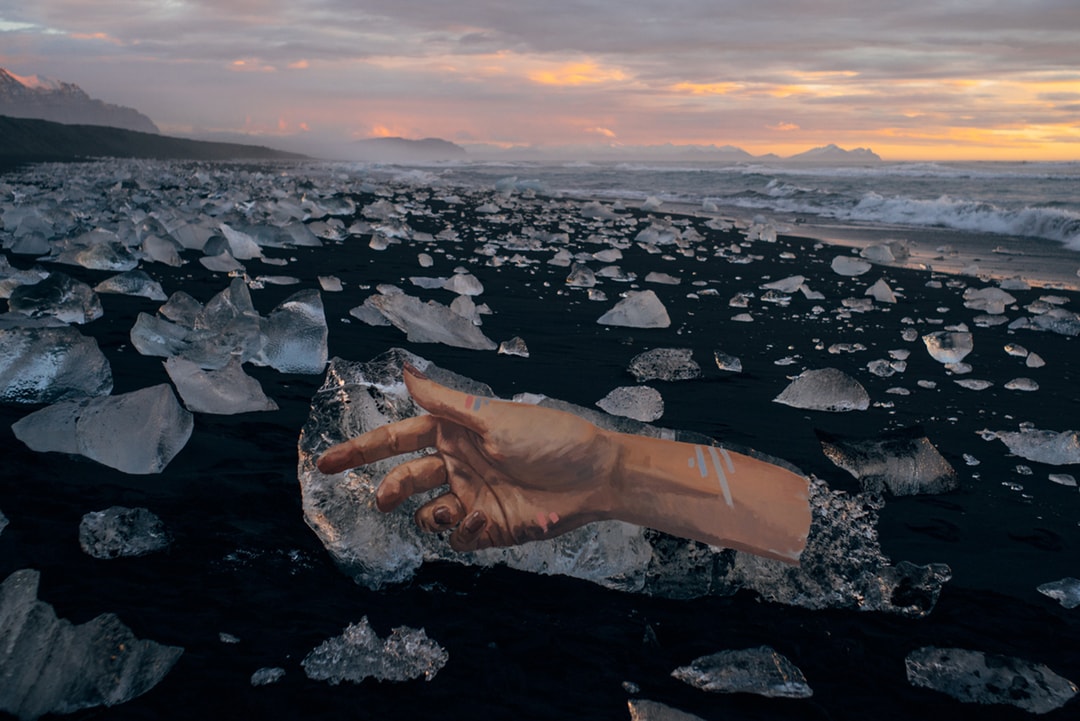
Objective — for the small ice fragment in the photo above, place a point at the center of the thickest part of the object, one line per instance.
(786, 285)
(880, 291)
(225, 391)
(1034, 360)
(228, 638)
(974, 384)
(743, 318)
(880, 253)
(359, 653)
(849, 266)
(662, 278)
(1066, 591)
(641, 403)
(759, 670)
(1016, 350)
(241, 245)
(132, 282)
(651, 203)
(425, 260)
(948, 347)
(1022, 384)
(727, 362)
(1055, 449)
(514, 346)
(666, 364)
(330, 283)
(464, 284)
(122, 532)
(608, 255)
(988, 300)
(267, 675)
(59, 296)
(581, 276)
(825, 389)
(430, 322)
(1063, 479)
(904, 461)
(976, 677)
(221, 263)
(639, 309)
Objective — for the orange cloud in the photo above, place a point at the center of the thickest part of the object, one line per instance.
(573, 74)
(252, 65)
(707, 88)
(606, 132)
(783, 126)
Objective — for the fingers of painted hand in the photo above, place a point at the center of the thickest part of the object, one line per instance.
(393, 439)
(408, 479)
(469, 535)
(461, 408)
(440, 514)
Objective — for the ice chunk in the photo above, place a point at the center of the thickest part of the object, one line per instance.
(581, 276)
(842, 566)
(50, 665)
(825, 389)
(1055, 449)
(47, 365)
(138, 432)
(132, 282)
(162, 250)
(330, 283)
(949, 346)
(662, 278)
(59, 296)
(3, 522)
(977, 677)
(267, 675)
(241, 245)
(989, 300)
(880, 291)
(430, 322)
(639, 309)
(359, 653)
(905, 462)
(1066, 591)
(666, 364)
(638, 402)
(120, 531)
(11, 278)
(727, 362)
(849, 265)
(645, 710)
(464, 284)
(295, 335)
(223, 392)
(514, 346)
(760, 670)
(221, 263)
(98, 250)
(1022, 384)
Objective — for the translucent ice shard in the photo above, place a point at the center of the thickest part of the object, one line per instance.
(977, 677)
(430, 322)
(132, 282)
(842, 566)
(514, 346)
(825, 389)
(880, 291)
(989, 300)
(949, 346)
(463, 284)
(849, 265)
(581, 276)
(359, 653)
(666, 364)
(138, 432)
(51, 666)
(267, 675)
(639, 309)
(727, 362)
(295, 335)
(242, 246)
(48, 365)
(118, 531)
(59, 296)
(1056, 449)
(760, 671)
(905, 462)
(226, 391)
(638, 402)
(1066, 591)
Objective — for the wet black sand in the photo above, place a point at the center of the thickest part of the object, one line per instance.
(244, 563)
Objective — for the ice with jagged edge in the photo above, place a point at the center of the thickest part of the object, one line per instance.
(132, 282)
(224, 391)
(949, 346)
(665, 364)
(40, 363)
(1066, 591)
(760, 671)
(842, 566)
(639, 309)
(59, 296)
(119, 531)
(825, 389)
(1050, 447)
(903, 461)
(430, 322)
(977, 677)
(138, 432)
(641, 403)
(358, 653)
(294, 335)
(48, 665)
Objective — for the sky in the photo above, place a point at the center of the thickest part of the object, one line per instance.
(913, 80)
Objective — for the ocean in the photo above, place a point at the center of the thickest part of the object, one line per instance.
(246, 584)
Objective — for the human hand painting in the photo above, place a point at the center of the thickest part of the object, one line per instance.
(515, 472)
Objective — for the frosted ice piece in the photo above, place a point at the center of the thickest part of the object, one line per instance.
(358, 654)
(50, 665)
(430, 322)
(425, 260)
(825, 389)
(977, 677)
(879, 253)
(137, 432)
(1058, 320)
(181, 308)
(1022, 384)
(464, 284)
(59, 296)
(132, 282)
(267, 675)
(295, 335)
(48, 365)
(727, 362)
(881, 292)
(662, 278)
(241, 245)
(118, 531)
(843, 565)
(156, 337)
(949, 346)
(645, 710)
(639, 309)
(514, 346)
(226, 391)
(641, 403)
(369, 314)
(904, 461)
(1055, 449)
(786, 285)
(849, 265)
(330, 283)
(974, 384)
(162, 250)
(581, 276)
(221, 263)
(1066, 591)
(666, 364)
(100, 256)
(760, 671)
(989, 300)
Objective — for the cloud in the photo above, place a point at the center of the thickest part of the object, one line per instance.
(783, 127)
(606, 132)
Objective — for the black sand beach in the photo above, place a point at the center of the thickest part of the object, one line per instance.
(242, 561)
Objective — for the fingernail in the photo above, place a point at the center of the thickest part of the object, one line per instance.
(443, 516)
(475, 522)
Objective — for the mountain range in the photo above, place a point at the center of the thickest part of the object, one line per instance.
(60, 102)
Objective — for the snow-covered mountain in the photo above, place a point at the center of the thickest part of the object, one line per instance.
(60, 102)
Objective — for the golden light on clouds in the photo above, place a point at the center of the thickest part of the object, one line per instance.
(577, 73)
